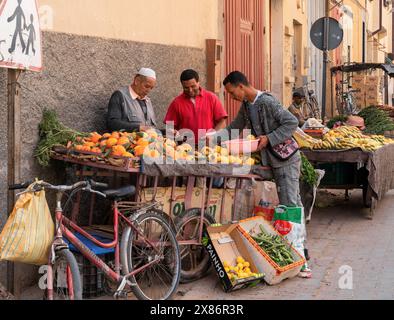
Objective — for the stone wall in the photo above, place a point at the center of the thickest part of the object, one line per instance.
(80, 74)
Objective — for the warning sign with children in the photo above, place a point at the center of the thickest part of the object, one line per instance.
(20, 35)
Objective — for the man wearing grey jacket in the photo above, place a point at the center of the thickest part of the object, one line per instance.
(263, 114)
(130, 108)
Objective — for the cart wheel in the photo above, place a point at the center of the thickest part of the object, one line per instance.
(195, 261)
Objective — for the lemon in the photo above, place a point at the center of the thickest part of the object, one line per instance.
(246, 264)
(240, 259)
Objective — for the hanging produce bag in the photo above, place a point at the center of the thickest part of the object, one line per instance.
(28, 234)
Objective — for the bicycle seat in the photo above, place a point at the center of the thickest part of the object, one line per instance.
(117, 194)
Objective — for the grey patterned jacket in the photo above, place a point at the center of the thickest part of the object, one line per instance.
(277, 123)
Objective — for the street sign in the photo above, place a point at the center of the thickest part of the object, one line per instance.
(326, 34)
(333, 37)
(20, 35)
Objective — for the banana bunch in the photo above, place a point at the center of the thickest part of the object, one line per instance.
(345, 132)
(347, 137)
(304, 140)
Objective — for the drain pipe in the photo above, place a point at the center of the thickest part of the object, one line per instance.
(380, 18)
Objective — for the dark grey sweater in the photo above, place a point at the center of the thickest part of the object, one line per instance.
(125, 113)
(277, 123)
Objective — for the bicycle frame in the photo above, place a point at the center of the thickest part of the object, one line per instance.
(62, 230)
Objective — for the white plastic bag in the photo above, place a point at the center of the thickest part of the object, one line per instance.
(290, 222)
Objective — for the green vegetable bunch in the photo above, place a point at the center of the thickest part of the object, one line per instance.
(53, 133)
(275, 247)
(308, 173)
(376, 121)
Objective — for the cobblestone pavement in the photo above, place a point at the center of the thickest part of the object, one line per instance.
(338, 236)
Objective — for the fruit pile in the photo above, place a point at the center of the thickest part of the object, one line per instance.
(342, 138)
(239, 271)
(118, 144)
(153, 145)
(221, 155)
(347, 137)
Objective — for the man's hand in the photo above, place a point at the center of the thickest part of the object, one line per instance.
(263, 143)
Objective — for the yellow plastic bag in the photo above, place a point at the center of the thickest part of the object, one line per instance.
(28, 234)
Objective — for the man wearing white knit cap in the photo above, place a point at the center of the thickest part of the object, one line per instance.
(130, 108)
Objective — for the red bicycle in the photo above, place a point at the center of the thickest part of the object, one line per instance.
(147, 259)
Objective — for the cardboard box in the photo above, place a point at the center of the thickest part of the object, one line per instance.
(163, 196)
(274, 273)
(372, 80)
(224, 243)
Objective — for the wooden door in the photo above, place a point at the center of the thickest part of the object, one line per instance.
(244, 43)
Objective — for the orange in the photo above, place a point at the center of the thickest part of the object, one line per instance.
(96, 150)
(106, 135)
(123, 141)
(79, 147)
(143, 142)
(118, 148)
(89, 144)
(117, 153)
(115, 135)
(111, 142)
(95, 137)
(139, 150)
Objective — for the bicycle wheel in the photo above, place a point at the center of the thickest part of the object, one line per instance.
(195, 260)
(160, 280)
(315, 108)
(66, 277)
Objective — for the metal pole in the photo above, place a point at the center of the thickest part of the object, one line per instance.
(325, 62)
(14, 159)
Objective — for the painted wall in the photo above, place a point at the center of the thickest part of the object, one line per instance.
(169, 22)
(289, 32)
(92, 48)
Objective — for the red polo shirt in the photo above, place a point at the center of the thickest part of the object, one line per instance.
(207, 112)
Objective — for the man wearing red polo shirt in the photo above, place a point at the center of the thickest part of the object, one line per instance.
(196, 108)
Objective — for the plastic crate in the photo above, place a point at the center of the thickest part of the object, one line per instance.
(340, 173)
(92, 278)
(274, 273)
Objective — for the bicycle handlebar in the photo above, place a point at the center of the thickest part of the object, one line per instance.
(63, 188)
(20, 185)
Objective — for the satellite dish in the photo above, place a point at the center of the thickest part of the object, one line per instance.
(334, 30)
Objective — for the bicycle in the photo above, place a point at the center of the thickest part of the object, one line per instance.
(310, 106)
(345, 100)
(147, 260)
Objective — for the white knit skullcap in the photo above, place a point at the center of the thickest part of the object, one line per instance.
(147, 73)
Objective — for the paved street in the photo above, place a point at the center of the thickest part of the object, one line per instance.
(338, 235)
